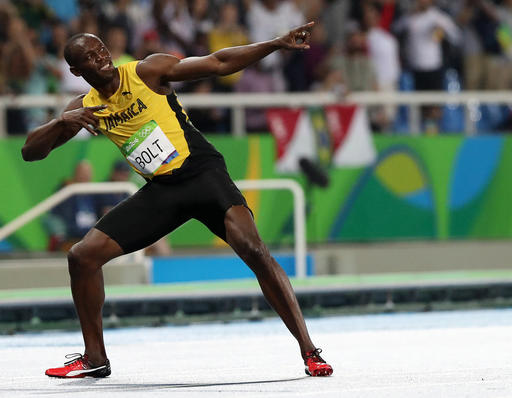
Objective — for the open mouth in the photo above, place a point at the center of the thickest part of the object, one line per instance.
(107, 66)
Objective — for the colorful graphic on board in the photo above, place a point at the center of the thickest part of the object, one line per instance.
(439, 187)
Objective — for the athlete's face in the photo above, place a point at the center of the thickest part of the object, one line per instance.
(93, 61)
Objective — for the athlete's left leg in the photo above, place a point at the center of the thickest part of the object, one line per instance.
(243, 237)
(223, 209)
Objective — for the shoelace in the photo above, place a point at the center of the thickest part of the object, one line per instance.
(73, 358)
(315, 355)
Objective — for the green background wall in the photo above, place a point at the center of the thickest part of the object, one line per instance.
(419, 188)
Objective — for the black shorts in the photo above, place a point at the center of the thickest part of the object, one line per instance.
(165, 203)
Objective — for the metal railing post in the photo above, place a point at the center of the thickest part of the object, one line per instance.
(414, 120)
(299, 215)
(3, 118)
(238, 121)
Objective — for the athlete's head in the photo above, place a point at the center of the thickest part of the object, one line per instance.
(88, 57)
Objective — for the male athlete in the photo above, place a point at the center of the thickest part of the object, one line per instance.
(135, 106)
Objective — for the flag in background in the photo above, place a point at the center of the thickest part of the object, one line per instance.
(322, 136)
(295, 138)
(352, 142)
(338, 135)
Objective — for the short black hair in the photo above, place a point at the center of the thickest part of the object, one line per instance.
(69, 54)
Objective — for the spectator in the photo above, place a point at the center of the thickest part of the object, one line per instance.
(58, 38)
(227, 33)
(66, 81)
(86, 23)
(425, 29)
(316, 57)
(504, 35)
(114, 15)
(383, 50)
(69, 83)
(117, 42)
(65, 11)
(35, 13)
(18, 61)
(255, 80)
(336, 16)
(133, 16)
(7, 11)
(384, 54)
(184, 27)
(311, 9)
(299, 68)
(353, 61)
(209, 120)
(68, 222)
(18, 54)
(174, 25)
(483, 60)
(333, 82)
(390, 12)
(269, 18)
(150, 44)
(42, 80)
(266, 20)
(120, 172)
(201, 16)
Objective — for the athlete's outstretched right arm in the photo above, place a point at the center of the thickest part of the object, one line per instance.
(160, 68)
(41, 141)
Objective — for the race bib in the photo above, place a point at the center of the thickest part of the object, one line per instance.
(149, 148)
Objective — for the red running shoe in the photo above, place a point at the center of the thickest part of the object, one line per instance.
(315, 364)
(78, 366)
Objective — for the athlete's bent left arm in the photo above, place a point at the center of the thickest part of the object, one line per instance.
(223, 62)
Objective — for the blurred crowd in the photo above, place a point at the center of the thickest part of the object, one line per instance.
(384, 45)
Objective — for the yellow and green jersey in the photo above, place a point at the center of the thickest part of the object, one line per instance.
(152, 130)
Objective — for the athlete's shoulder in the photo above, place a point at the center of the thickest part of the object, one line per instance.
(129, 66)
(156, 64)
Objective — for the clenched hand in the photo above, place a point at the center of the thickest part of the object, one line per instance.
(82, 117)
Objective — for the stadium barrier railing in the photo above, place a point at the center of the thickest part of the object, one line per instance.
(238, 103)
(65, 193)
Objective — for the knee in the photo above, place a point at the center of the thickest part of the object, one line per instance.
(81, 258)
(253, 251)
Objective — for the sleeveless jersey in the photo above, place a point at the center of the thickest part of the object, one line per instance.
(152, 131)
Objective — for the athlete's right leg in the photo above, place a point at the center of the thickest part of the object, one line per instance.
(85, 260)
(133, 224)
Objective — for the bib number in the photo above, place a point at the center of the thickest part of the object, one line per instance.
(149, 148)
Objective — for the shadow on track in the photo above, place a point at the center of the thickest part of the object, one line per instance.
(91, 384)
